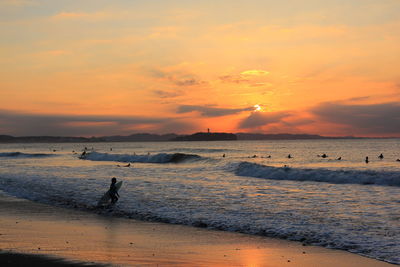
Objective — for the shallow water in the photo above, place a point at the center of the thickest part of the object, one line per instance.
(344, 204)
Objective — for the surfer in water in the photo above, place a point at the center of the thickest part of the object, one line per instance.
(83, 155)
(113, 190)
(128, 165)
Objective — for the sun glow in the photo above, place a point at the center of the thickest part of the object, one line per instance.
(258, 108)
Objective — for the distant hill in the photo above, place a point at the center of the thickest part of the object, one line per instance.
(283, 136)
(146, 137)
(206, 137)
(140, 137)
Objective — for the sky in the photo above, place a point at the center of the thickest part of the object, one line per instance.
(100, 67)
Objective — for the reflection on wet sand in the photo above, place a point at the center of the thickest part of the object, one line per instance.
(40, 229)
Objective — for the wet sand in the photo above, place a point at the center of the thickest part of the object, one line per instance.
(32, 228)
(11, 259)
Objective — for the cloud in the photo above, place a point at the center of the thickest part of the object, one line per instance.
(208, 111)
(234, 79)
(357, 99)
(298, 121)
(252, 78)
(20, 124)
(255, 72)
(185, 81)
(258, 119)
(168, 94)
(364, 119)
(178, 78)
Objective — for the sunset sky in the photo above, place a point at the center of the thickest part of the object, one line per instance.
(100, 67)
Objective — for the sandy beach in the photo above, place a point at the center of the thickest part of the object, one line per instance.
(37, 229)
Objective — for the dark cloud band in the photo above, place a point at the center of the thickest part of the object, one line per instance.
(258, 119)
(74, 125)
(208, 111)
(367, 119)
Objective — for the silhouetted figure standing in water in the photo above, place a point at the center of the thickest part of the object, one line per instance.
(113, 190)
(83, 155)
(289, 156)
(366, 160)
(380, 156)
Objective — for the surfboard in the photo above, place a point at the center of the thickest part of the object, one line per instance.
(105, 199)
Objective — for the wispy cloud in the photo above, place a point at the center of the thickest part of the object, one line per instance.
(255, 72)
(168, 94)
(233, 79)
(177, 77)
(185, 82)
(210, 111)
(253, 78)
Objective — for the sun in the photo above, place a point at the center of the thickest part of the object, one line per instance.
(258, 108)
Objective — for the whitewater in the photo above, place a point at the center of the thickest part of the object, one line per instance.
(242, 186)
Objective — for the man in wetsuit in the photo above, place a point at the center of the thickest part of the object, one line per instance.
(113, 190)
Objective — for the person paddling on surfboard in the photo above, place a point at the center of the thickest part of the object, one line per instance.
(113, 192)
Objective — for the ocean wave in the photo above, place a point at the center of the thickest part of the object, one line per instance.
(156, 158)
(24, 155)
(200, 150)
(233, 214)
(318, 175)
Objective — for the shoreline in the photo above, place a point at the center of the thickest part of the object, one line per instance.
(19, 259)
(77, 236)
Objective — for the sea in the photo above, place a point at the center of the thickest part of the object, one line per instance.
(250, 187)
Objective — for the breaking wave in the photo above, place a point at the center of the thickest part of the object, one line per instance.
(200, 150)
(318, 175)
(156, 158)
(24, 155)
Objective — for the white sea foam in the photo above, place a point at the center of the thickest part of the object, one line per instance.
(200, 150)
(318, 175)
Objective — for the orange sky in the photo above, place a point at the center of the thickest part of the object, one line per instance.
(121, 67)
